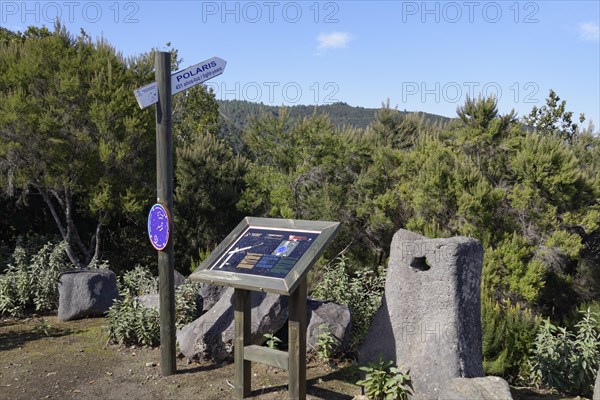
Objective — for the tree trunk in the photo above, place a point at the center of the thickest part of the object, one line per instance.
(68, 230)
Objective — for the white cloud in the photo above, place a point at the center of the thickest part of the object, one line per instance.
(589, 31)
(333, 40)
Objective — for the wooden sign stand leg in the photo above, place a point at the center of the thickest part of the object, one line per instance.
(297, 343)
(242, 333)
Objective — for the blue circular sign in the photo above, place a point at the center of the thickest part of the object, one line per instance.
(159, 226)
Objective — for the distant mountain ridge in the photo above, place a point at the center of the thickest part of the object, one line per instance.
(235, 114)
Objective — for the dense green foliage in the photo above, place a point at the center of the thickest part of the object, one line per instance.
(137, 282)
(70, 133)
(361, 291)
(130, 323)
(508, 334)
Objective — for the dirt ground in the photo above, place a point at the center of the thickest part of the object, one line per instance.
(72, 360)
(49, 359)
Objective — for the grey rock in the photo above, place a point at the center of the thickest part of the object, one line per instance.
(336, 317)
(179, 279)
(429, 320)
(149, 300)
(597, 387)
(211, 294)
(86, 293)
(153, 300)
(210, 337)
(487, 388)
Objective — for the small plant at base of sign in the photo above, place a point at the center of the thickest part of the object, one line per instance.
(325, 343)
(382, 381)
(272, 341)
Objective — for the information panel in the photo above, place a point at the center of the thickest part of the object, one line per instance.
(266, 251)
(267, 254)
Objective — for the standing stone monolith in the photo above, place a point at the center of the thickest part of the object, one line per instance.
(430, 318)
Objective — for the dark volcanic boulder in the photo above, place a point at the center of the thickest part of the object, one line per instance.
(86, 293)
(210, 337)
(211, 294)
(330, 317)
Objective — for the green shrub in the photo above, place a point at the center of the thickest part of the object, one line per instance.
(508, 332)
(186, 304)
(30, 284)
(568, 361)
(131, 323)
(362, 292)
(382, 381)
(138, 282)
(325, 343)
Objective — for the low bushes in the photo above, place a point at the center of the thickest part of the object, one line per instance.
(131, 323)
(29, 283)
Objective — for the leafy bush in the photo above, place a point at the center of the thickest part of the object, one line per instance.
(131, 323)
(128, 322)
(362, 292)
(382, 381)
(508, 335)
(186, 304)
(30, 283)
(138, 281)
(567, 361)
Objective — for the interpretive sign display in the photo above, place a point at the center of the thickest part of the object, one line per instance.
(267, 254)
(159, 226)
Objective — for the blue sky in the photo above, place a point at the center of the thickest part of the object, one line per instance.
(423, 56)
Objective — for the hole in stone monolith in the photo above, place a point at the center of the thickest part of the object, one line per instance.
(420, 263)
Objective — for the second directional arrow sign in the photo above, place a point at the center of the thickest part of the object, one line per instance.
(182, 80)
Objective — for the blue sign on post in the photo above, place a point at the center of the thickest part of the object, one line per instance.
(159, 226)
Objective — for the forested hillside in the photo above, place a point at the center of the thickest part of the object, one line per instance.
(235, 115)
(77, 166)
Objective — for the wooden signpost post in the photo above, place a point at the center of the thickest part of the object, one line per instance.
(160, 224)
(268, 255)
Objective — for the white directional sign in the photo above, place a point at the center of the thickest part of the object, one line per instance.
(147, 95)
(182, 80)
(196, 74)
